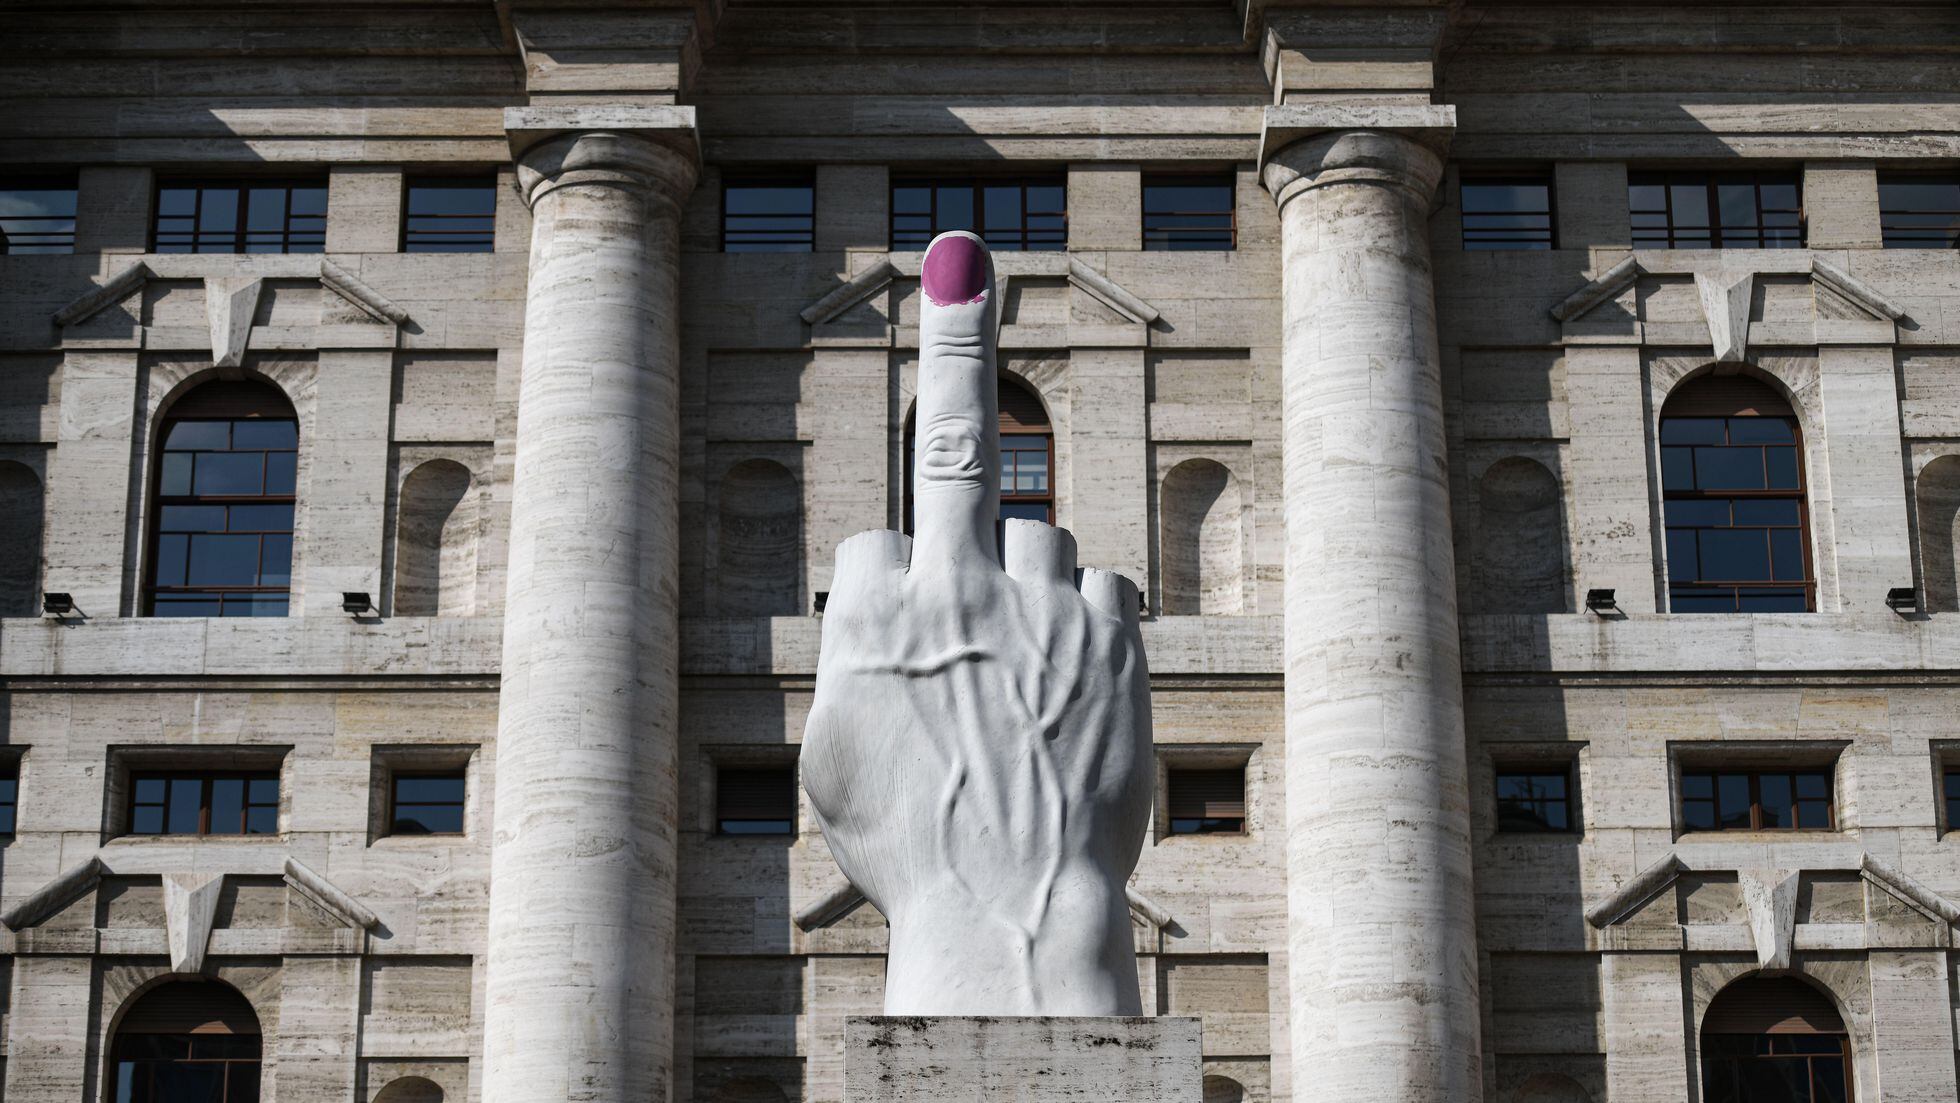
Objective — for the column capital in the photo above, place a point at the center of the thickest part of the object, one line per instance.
(1305, 146)
(656, 148)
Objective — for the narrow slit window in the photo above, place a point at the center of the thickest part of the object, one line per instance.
(9, 797)
(768, 215)
(37, 215)
(1023, 213)
(241, 216)
(753, 800)
(1511, 212)
(1189, 213)
(1206, 802)
(1919, 212)
(450, 215)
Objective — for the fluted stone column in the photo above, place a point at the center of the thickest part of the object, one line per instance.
(1380, 912)
(580, 975)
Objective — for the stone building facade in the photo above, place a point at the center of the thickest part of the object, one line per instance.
(1411, 515)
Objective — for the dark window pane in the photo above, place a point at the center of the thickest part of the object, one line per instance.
(186, 797)
(223, 561)
(429, 790)
(1677, 468)
(1813, 785)
(1027, 511)
(269, 518)
(1703, 511)
(1776, 801)
(1647, 197)
(1698, 815)
(198, 434)
(261, 820)
(147, 820)
(1766, 600)
(1732, 792)
(276, 561)
(185, 605)
(1782, 464)
(257, 433)
(191, 519)
(1786, 549)
(1188, 213)
(1506, 214)
(218, 210)
(281, 472)
(769, 217)
(1758, 511)
(1729, 468)
(1690, 204)
(1701, 601)
(955, 209)
(176, 479)
(1761, 430)
(227, 805)
(229, 473)
(1701, 786)
(256, 605)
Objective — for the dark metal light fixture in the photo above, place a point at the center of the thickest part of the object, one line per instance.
(822, 599)
(1600, 601)
(1902, 599)
(356, 603)
(57, 605)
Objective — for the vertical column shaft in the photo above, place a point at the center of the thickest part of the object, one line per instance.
(580, 975)
(1380, 910)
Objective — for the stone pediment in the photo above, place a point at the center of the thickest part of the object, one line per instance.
(1126, 303)
(233, 287)
(190, 903)
(1726, 286)
(1769, 899)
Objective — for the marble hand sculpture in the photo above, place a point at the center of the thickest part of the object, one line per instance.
(978, 752)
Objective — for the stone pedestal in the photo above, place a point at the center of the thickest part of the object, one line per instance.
(1026, 1060)
(1381, 920)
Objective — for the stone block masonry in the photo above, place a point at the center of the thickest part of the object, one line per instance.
(1025, 1060)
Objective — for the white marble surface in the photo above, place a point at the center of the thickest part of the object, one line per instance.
(978, 752)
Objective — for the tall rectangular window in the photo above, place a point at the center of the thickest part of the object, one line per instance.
(1919, 212)
(37, 215)
(755, 800)
(1716, 210)
(426, 803)
(1206, 802)
(1535, 799)
(1734, 505)
(1189, 213)
(768, 215)
(1743, 800)
(450, 214)
(1507, 212)
(223, 541)
(204, 804)
(1009, 214)
(9, 795)
(241, 216)
(1950, 784)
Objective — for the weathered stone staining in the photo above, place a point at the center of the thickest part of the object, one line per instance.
(579, 968)
(688, 432)
(978, 750)
(1038, 1059)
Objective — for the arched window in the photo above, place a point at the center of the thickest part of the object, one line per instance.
(435, 542)
(1199, 547)
(759, 541)
(1774, 1040)
(1732, 480)
(183, 1040)
(20, 540)
(1223, 1089)
(410, 1089)
(1027, 457)
(221, 538)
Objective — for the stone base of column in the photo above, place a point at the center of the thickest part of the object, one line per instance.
(1027, 1060)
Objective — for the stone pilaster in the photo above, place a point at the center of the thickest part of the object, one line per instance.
(1380, 924)
(580, 978)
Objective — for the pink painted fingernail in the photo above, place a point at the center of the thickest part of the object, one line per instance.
(955, 271)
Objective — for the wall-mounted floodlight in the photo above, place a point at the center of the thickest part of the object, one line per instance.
(1600, 601)
(57, 605)
(1902, 599)
(356, 603)
(822, 599)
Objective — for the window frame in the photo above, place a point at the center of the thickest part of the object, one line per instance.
(1711, 182)
(1755, 774)
(793, 819)
(206, 778)
(10, 807)
(1227, 179)
(979, 184)
(50, 243)
(1508, 178)
(1186, 762)
(1565, 769)
(1887, 238)
(488, 181)
(244, 186)
(1800, 495)
(730, 182)
(1735, 1062)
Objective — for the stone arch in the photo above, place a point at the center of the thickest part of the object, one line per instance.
(1783, 1019)
(1550, 1087)
(156, 1028)
(435, 542)
(22, 505)
(410, 1089)
(1223, 1089)
(1520, 538)
(760, 541)
(1937, 490)
(1202, 546)
(750, 1089)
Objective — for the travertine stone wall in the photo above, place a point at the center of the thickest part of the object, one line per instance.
(1102, 95)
